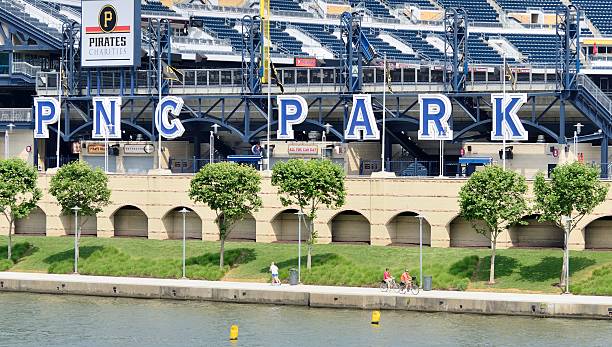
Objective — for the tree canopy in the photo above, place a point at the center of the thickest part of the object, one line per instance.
(19, 193)
(309, 185)
(496, 197)
(229, 189)
(78, 185)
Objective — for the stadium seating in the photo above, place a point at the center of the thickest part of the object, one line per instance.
(477, 10)
(377, 8)
(324, 34)
(424, 4)
(383, 48)
(522, 5)
(480, 52)
(418, 43)
(284, 42)
(285, 5)
(155, 6)
(599, 12)
(540, 49)
(224, 29)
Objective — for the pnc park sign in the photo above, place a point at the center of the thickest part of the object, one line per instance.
(434, 124)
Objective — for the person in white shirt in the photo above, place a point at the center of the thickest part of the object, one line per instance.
(274, 271)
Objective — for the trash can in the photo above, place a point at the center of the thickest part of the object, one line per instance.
(293, 277)
(427, 283)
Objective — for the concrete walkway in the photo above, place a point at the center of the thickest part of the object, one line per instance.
(315, 296)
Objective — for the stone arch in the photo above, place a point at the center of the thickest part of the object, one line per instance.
(130, 221)
(463, 234)
(173, 223)
(244, 230)
(404, 229)
(34, 223)
(536, 234)
(285, 226)
(598, 234)
(350, 226)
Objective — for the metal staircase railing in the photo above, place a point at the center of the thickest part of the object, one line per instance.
(583, 82)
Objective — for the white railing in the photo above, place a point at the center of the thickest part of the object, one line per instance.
(15, 115)
(602, 99)
(20, 67)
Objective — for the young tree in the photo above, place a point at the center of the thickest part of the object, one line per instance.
(78, 185)
(310, 184)
(496, 197)
(18, 192)
(231, 190)
(573, 191)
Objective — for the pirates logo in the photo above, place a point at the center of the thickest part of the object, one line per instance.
(107, 19)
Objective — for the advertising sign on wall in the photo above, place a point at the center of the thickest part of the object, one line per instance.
(110, 33)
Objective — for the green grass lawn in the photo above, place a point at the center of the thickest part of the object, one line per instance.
(526, 270)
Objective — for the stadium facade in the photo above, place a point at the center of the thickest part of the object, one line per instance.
(145, 89)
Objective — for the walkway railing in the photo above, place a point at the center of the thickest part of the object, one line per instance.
(14, 115)
(411, 168)
(404, 77)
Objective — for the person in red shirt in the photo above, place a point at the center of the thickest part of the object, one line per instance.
(406, 279)
(387, 277)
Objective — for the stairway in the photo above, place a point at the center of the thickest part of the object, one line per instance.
(593, 103)
(15, 13)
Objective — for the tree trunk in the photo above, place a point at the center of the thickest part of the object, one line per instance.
(10, 241)
(221, 252)
(310, 243)
(563, 277)
(492, 271)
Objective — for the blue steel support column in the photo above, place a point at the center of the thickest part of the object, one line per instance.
(562, 140)
(604, 156)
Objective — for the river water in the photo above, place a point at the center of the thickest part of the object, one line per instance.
(48, 320)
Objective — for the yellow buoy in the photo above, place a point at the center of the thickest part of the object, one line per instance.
(375, 317)
(234, 333)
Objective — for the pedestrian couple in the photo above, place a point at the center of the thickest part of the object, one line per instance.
(274, 271)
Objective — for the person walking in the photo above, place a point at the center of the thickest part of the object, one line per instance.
(274, 271)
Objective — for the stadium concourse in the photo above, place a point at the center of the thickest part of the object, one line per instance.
(204, 60)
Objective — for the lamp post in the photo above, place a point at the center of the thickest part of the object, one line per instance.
(106, 134)
(576, 133)
(76, 210)
(420, 217)
(300, 215)
(9, 129)
(213, 132)
(568, 226)
(444, 131)
(327, 127)
(184, 212)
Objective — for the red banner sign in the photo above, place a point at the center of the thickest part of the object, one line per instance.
(305, 62)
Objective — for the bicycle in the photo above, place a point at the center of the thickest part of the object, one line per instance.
(393, 286)
(414, 289)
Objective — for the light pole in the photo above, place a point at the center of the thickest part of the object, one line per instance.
(576, 133)
(327, 127)
(384, 114)
(213, 132)
(300, 215)
(184, 212)
(76, 210)
(9, 129)
(444, 131)
(420, 217)
(106, 134)
(568, 227)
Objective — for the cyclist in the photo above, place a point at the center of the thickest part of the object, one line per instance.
(406, 279)
(387, 278)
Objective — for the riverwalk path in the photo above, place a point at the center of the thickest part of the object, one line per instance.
(544, 305)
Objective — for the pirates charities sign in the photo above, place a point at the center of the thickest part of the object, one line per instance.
(110, 33)
(434, 122)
